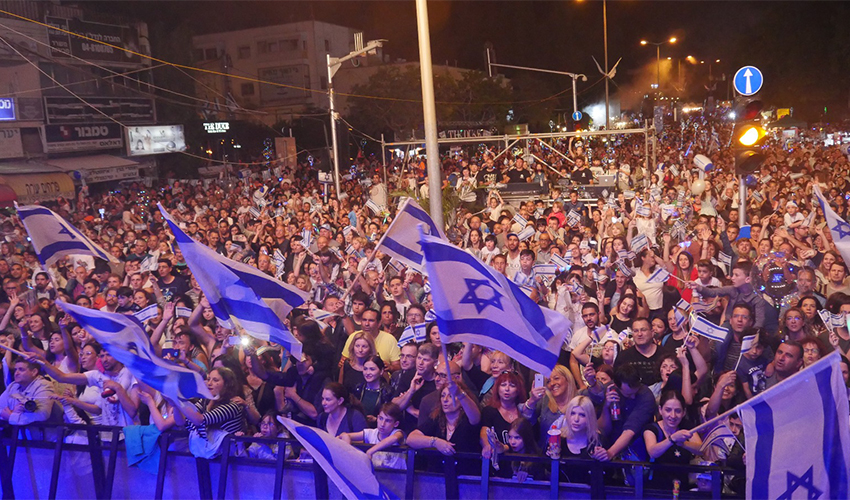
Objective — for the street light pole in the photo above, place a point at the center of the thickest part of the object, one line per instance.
(429, 111)
(658, 67)
(334, 64)
(658, 59)
(605, 38)
(574, 76)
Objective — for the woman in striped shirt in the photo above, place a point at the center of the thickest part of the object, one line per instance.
(225, 413)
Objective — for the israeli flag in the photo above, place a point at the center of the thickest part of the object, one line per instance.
(413, 333)
(573, 218)
(526, 233)
(839, 228)
(349, 249)
(476, 304)
(53, 237)
(660, 275)
(402, 239)
(254, 212)
(798, 435)
(627, 271)
(639, 242)
(562, 263)
(680, 318)
(371, 205)
(749, 342)
(349, 468)
(124, 338)
(725, 259)
(545, 270)
(643, 211)
(147, 313)
(346, 231)
(683, 305)
(519, 219)
(707, 329)
(241, 295)
(306, 238)
(430, 315)
(183, 312)
(321, 314)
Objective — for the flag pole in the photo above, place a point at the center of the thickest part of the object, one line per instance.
(15, 351)
(374, 252)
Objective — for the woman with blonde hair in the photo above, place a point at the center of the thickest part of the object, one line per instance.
(580, 437)
(548, 404)
(362, 348)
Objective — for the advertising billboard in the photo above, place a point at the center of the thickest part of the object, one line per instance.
(83, 137)
(10, 143)
(155, 139)
(122, 109)
(113, 38)
(7, 109)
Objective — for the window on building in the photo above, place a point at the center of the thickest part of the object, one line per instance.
(210, 54)
(247, 89)
(273, 47)
(303, 44)
(291, 44)
(198, 54)
(324, 82)
(327, 45)
(262, 47)
(244, 52)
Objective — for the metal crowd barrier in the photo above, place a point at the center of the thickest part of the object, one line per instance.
(12, 438)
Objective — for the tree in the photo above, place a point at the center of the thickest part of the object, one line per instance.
(461, 95)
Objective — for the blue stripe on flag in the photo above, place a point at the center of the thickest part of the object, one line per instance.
(402, 250)
(530, 310)
(502, 334)
(833, 455)
(60, 246)
(424, 217)
(764, 449)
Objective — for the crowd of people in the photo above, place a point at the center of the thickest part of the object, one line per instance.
(630, 384)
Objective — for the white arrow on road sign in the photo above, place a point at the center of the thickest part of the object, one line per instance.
(748, 80)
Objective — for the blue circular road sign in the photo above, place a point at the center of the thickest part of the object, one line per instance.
(577, 116)
(748, 80)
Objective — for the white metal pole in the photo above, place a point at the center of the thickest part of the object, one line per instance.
(334, 158)
(575, 98)
(429, 111)
(742, 203)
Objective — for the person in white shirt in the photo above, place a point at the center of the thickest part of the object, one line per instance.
(793, 218)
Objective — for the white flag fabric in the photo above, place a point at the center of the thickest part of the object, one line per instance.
(53, 237)
(798, 436)
(748, 342)
(124, 338)
(707, 329)
(660, 275)
(839, 228)
(413, 333)
(402, 238)
(349, 468)
(241, 294)
(639, 242)
(476, 304)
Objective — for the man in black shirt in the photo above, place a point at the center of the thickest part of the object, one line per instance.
(489, 175)
(519, 174)
(644, 355)
(581, 175)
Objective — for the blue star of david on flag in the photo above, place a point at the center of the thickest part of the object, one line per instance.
(480, 303)
(805, 481)
(842, 228)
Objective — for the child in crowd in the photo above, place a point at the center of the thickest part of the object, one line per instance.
(385, 435)
(269, 428)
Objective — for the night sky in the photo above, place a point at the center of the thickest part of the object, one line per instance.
(802, 47)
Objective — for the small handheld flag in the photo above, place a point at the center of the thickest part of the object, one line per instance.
(707, 329)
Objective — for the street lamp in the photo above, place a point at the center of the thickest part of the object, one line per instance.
(334, 64)
(658, 57)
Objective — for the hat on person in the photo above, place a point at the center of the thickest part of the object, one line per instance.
(790, 204)
(512, 234)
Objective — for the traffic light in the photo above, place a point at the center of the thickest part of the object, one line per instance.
(748, 138)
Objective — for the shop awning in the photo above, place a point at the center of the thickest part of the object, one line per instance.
(98, 168)
(35, 187)
(7, 196)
